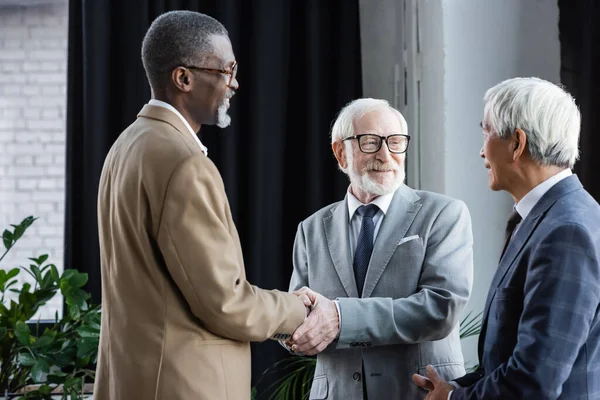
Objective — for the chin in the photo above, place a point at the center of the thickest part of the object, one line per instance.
(381, 187)
(223, 119)
(495, 186)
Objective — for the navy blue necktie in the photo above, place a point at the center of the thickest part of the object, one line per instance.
(364, 245)
(511, 225)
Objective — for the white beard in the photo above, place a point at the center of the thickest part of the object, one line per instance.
(364, 182)
(223, 119)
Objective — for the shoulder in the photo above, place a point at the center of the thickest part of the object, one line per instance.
(325, 212)
(437, 203)
(576, 208)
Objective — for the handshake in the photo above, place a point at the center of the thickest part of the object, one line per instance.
(321, 326)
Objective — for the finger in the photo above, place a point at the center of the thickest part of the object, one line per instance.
(432, 375)
(307, 302)
(310, 340)
(422, 382)
(308, 324)
(320, 347)
(312, 295)
(316, 348)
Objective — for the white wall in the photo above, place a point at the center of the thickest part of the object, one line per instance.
(468, 46)
(33, 59)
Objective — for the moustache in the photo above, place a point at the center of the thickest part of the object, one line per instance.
(375, 165)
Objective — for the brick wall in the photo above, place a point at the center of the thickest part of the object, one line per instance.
(33, 60)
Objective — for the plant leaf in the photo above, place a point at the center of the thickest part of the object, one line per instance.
(88, 332)
(12, 273)
(43, 341)
(3, 331)
(27, 359)
(7, 238)
(22, 333)
(87, 347)
(36, 273)
(54, 273)
(72, 382)
(74, 312)
(38, 370)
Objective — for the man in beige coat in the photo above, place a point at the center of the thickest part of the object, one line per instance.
(178, 312)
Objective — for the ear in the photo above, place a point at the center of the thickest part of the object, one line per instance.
(519, 143)
(182, 79)
(338, 148)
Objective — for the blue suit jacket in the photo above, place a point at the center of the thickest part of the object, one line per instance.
(541, 332)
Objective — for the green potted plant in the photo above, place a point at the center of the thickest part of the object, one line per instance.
(297, 372)
(40, 362)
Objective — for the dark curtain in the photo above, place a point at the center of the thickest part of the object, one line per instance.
(579, 27)
(299, 64)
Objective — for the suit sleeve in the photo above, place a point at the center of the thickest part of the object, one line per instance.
(561, 298)
(433, 311)
(300, 273)
(196, 239)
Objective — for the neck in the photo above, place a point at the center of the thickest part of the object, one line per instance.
(361, 195)
(179, 105)
(530, 176)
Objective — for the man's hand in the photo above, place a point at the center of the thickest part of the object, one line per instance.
(319, 329)
(308, 303)
(437, 387)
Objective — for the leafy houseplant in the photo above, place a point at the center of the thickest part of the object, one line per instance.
(36, 361)
(299, 371)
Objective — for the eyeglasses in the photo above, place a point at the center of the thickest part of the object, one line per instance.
(370, 143)
(232, 73)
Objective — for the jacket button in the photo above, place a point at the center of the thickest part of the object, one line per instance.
(356, 376)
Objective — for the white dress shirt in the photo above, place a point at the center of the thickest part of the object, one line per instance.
(527, 204)
(355, 220)
(169, 107)
(529, 201)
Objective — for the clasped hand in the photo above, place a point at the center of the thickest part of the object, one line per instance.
(319, 329)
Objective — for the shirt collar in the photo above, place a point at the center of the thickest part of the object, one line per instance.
(383, 202)
(529, 201)
(159, 103)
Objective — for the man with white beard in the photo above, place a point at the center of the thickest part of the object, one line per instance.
(390, 267)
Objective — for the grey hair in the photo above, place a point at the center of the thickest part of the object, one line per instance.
(544, 111)
(342, 127)
(177, 38)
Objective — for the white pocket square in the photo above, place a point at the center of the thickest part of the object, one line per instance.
(408, 239)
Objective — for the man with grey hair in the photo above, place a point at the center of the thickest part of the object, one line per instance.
(177, 310)
(540, 337)
(393, 267)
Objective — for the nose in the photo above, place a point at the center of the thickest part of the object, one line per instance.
(384, 153)
(235, 85)
(481, 154)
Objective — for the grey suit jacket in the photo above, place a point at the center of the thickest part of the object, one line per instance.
(419, 279)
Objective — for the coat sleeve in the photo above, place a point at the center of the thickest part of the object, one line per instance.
(200, 247)
(443, 290)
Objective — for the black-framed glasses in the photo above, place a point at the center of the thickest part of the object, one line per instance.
(370, 143)
(232, 72)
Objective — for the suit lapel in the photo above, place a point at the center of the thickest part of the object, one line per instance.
(336, 226)
(395, 224)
